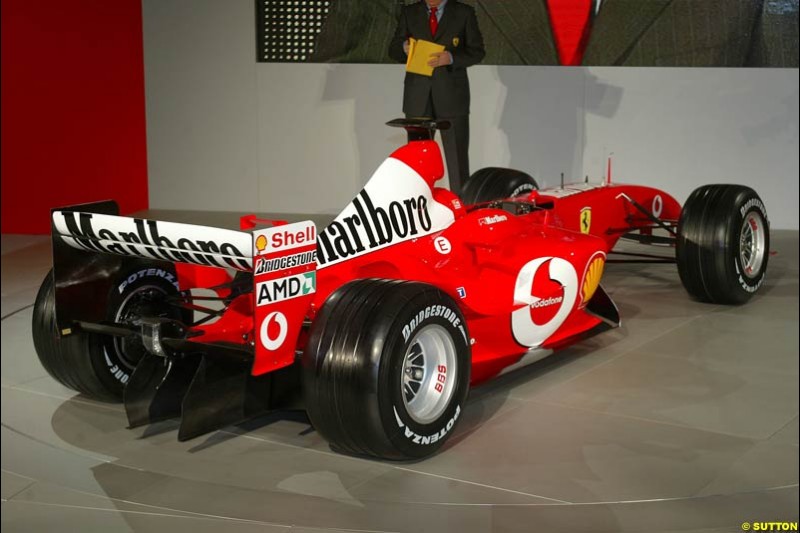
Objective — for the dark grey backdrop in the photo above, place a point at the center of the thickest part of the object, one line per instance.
(672, 33)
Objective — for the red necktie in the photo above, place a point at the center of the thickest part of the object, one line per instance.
(570, 22)
(434, 22)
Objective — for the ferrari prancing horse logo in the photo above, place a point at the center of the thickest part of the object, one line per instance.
(456, 41)
(586, 219)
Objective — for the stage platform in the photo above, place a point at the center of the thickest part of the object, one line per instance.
(684, 419)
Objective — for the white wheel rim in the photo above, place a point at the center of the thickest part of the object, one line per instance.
(752, 244)
(123, 316)
(426, 389)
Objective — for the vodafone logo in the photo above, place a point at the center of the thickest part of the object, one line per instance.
(547, 295)
(658, 205)
(547, 302)
(273, 330)
(545, 291)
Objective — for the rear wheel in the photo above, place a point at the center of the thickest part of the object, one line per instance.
(99, 365)
(495, 183)
(723, 244)
(386, 370)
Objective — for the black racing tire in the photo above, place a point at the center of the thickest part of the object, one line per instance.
(97, 365)
(723, 244)
(360, 359)
(495, 183)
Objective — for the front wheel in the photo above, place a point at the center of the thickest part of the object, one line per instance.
(495, 183)
(386, 369)
(723, 244)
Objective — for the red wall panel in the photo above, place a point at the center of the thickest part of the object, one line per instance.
(73, 111)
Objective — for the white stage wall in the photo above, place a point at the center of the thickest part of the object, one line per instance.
(227, 133)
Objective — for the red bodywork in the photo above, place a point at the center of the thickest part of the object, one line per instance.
(522, 281)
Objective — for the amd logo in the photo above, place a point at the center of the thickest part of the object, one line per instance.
(278, 290)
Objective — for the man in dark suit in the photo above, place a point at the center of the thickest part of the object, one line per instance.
(692, 33)
(445, 94)
(377, 31)
(674, 33)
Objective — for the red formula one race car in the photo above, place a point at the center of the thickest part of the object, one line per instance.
(378, 324)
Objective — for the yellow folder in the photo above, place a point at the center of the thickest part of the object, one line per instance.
(419, 53)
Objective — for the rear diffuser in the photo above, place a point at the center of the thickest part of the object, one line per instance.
(208, 392)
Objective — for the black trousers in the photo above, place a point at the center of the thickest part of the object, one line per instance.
(456, 147)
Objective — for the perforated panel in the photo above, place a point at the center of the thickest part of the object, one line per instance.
(287, 29)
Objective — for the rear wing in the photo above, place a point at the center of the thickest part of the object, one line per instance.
(97, 228)
(93, 247)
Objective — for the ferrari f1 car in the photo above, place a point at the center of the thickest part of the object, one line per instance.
(378, 324)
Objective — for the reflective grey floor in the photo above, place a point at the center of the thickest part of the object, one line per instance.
(685, 419)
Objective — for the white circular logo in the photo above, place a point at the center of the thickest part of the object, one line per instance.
(274, 343)
(442, 245)
(658, 205)
(546, 289)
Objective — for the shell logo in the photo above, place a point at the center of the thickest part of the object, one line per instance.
(591, 279)
(261, 243)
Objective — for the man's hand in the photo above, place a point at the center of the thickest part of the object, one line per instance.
(406, 46)
(440, 59)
